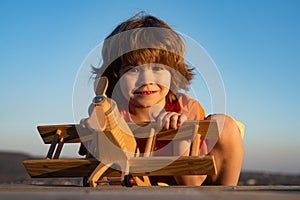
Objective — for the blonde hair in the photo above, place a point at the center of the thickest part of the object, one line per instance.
(144, 39)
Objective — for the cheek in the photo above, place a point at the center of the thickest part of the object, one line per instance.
(164, 79)
(126, 86)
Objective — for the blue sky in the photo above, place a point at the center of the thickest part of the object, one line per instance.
(254, 44)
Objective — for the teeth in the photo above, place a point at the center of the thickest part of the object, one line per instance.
(146, 92)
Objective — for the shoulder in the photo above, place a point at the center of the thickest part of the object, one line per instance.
(186, 102)
(190, 107)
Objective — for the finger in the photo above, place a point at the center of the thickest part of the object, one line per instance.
(168, 119)
(182, 118)
(174, 121)
(161, 119)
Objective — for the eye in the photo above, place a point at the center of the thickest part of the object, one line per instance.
(157, 68)
(131, 69)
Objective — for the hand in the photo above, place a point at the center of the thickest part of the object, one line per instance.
(170, 120)
(90, 124)
(84, 123)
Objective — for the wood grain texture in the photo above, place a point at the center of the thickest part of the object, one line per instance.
(207, 129)
(60, 167)
(185, 165)
(117, 133)
(68, 131)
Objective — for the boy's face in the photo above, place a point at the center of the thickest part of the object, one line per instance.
(145, 85)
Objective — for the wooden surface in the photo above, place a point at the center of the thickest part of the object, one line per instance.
(117, 141)
(167, 166)
(138, 166)
(207, 129)
(60, 167)
(69, 133)
(163, 166)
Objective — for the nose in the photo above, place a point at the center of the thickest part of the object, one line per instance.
(146, 76)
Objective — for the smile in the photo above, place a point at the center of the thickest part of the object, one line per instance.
(145, 93)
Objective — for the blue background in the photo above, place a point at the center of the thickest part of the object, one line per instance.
(255, 45)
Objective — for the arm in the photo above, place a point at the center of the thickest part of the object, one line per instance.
(191, 110)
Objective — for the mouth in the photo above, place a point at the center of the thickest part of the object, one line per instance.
(144, 93)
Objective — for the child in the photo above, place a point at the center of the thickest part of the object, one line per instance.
(143, 59)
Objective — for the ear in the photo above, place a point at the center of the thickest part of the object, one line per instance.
(100, 85)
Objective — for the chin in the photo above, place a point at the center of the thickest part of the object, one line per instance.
(145, 105)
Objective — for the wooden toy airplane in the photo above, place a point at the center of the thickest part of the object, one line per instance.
(114, 145)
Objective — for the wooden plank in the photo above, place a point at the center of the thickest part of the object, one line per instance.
(150, 144)
(60, 167)
(207, 129)
(68, 132)
(185, 165)
(195, 148)
(167, 166)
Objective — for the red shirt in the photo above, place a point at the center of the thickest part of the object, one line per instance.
(184, 105)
